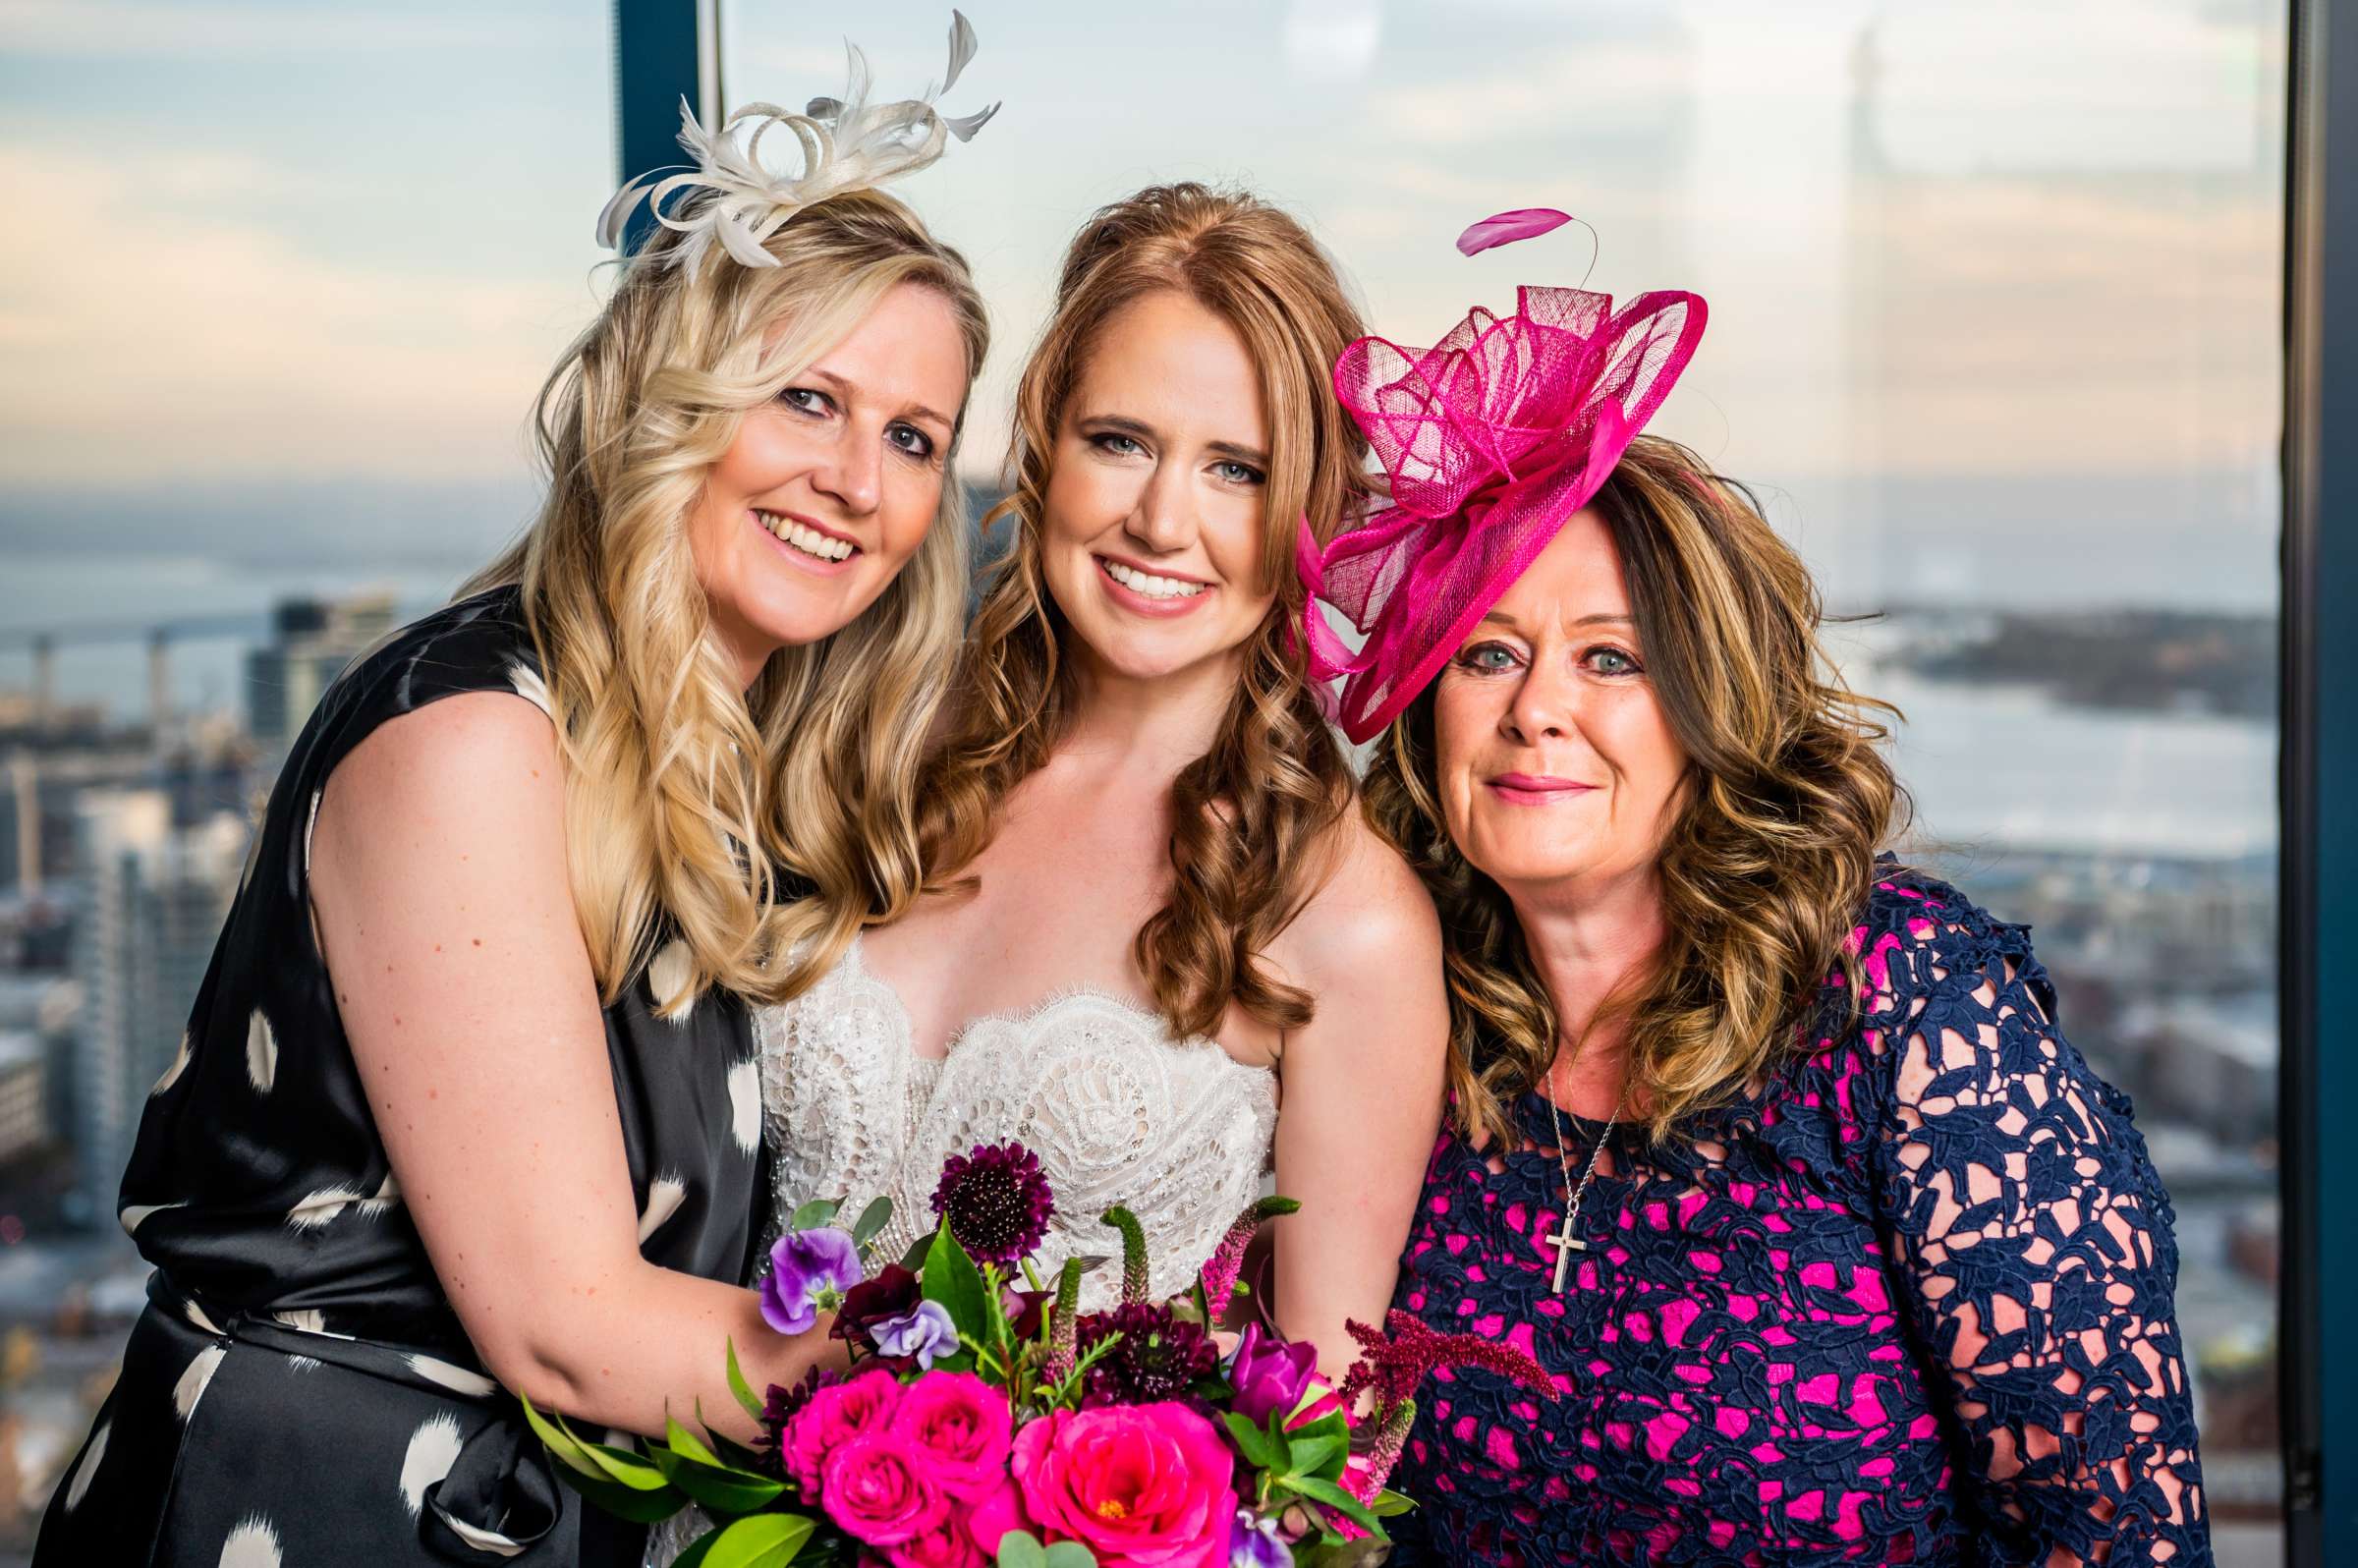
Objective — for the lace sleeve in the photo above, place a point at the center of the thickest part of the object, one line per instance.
(2036, 1241)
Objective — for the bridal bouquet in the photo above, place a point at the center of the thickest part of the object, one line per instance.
(986, 1419)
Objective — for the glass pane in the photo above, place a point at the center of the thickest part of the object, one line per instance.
(282, 282)
(1995, 324)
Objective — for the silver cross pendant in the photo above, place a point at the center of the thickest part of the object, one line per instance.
(1565, 1244)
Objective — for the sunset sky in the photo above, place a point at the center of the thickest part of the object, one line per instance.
(283, 278)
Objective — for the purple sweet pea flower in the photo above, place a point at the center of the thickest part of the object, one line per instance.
(925, 1332)
(808, 1271)
(1268, 1374)
(1254, 1544)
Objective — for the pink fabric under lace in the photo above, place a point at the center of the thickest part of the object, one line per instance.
(1492, 438)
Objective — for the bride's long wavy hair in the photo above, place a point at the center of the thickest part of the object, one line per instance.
(759, 828)
(1247, 814)
(1770, 854)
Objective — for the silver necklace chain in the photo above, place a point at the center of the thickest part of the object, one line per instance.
(1564, 1242)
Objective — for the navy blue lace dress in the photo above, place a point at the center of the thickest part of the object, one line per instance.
(1910, 1303)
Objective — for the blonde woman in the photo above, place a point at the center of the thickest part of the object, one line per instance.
(1159, 947)
(466, 1104)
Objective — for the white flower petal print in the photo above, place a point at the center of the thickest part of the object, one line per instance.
(665, 1195)
(90, 1459)
(531, 688)
(433, 1449)
(454, 1378)
(311, 825)
(192, 1384)
(195, 1315)
(745, 1105)
(482, 1540)
(321, 1207)
(137, 1215)
(261, 1051)
(667, 975)
(253, 1544)
(387, 1194)
(303, 1320)
(180, 1062)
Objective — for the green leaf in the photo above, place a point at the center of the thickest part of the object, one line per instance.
(727, 1449)
(813, 1215)
(1070, 1555)
(1316, 1456)
(687, 1444)
(640, 1475)
(874, 1218)
(1252, 1440)
(639, 1507)
(563, 1444)
(1020, 1548)
(951, 1278)
(765, 1541)
(1388, 1503)
(723, 1492)
(694, 1555)
(913, 1259)
(1334, 1497)
(740, 1388)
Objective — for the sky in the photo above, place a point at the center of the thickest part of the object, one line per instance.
(1994, 283)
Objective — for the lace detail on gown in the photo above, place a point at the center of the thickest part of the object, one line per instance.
(1119, 1112)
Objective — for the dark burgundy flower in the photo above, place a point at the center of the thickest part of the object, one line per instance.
(784, 1403)
(995, 1201)
(1395, 1358)
(1158, 1356)
(893, 1293)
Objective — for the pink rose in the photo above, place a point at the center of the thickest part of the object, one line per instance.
(1145, 1485)
(834, 1417)
(946, 1545)
(996, 1514)
(878, 1494)
(958, 1429)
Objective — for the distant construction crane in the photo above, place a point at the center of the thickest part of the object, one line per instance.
(159, 636)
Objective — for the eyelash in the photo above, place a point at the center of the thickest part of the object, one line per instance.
(1466, 659)
(1245, 472)
(921, 452)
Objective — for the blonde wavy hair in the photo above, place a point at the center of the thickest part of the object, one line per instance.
(759, 828)
(1250, 813)
(1786, 800)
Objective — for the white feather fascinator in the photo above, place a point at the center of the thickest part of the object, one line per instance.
(846, 143)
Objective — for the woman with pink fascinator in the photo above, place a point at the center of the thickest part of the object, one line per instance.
(1768, 1148)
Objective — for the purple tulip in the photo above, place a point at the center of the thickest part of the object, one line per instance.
(923, 1332)
(1254, 1544)
(808, 1272)
(1268, 1374)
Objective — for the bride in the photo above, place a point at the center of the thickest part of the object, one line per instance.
(1159, 949)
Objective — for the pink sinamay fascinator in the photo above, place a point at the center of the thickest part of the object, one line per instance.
(1494, 438)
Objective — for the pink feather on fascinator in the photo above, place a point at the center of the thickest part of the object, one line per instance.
(1492, 438)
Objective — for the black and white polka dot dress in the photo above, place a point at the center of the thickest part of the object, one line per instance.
(298, 1391)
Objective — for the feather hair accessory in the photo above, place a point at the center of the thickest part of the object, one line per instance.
(846, 143)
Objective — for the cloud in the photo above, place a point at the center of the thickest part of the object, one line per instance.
(149, 333)
(186, 29)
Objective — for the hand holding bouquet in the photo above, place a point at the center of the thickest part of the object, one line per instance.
(986, 1419)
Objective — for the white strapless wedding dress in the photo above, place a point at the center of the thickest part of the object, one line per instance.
(1119, 1110)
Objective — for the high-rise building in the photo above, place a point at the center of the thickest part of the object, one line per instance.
(310, 642)
(156, 895)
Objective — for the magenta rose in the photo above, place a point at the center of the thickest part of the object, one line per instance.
(1147, 1484)
(834, 1417)
(958, 1430)
(876, 1492)
(946, 1545)
(990, 1519)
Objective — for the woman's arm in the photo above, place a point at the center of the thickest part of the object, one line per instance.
(2036, 1239)
(1362, 1094)
(440, 894)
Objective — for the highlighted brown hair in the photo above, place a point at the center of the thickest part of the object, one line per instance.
(1249, 814)
(1771, 848)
